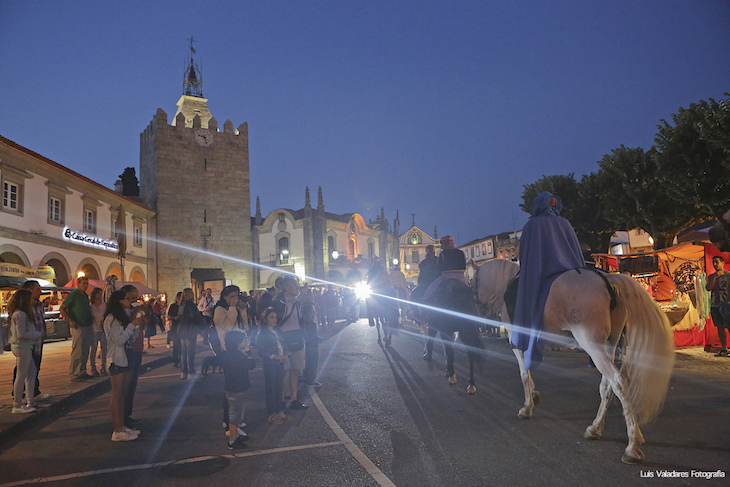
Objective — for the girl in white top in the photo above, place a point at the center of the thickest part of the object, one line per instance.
(120, 330)
(228, 316)
(24, 337)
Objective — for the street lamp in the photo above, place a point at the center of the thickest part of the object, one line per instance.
(408, 267)
(335, 254)
(395, 261)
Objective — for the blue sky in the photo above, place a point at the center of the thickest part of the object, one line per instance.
(439, 108)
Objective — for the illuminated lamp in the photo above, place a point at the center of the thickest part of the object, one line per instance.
(335, 254)
(395, 261)
(80, 274)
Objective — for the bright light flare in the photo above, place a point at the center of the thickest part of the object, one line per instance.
(362, 290)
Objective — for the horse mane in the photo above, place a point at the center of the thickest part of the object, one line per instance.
(491, 280)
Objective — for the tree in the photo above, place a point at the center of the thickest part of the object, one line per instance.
(130, 184)
(694, 156)
(636, 196)
(582, 206)
(564, 186)
(589, 215)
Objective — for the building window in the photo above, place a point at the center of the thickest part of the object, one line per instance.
(371, 251)
(115, 232)
(284, 251)
(478, 254)
(353, 254)
(55, 210)
(89, 220)
(414, 256)
(472, 252)
(137, 236)
(484, 249)
(11, 196)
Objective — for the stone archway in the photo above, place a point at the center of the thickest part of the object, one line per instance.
(90, 269)
(336, 276)
(13, 255)
(60, 266)
(114, 270)
(137, 275)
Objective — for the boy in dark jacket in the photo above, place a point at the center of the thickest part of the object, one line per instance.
(236, 365)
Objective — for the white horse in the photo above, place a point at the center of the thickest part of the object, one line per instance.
(581, 304)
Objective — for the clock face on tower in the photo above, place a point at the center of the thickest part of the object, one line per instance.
(203, 137)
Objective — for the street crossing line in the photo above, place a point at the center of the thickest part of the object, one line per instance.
(367, 464)
(147, 466)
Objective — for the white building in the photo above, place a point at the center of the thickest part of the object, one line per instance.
(52, 216)
(505, 245)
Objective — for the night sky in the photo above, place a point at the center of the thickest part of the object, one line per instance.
(443, 109)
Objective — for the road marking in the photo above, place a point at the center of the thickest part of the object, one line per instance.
(367, 464)
(147, 466)
(142, 377)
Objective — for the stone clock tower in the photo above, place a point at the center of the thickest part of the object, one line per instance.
(196, 177)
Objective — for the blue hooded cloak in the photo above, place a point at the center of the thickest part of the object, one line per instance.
(548, 247)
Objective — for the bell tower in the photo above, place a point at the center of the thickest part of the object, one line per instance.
(197, 179)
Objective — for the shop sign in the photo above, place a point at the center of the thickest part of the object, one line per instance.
(14, 270)
(90, 240)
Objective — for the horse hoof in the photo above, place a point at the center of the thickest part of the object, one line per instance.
(632, 459)
(471, 390)
(524, 413)
(535, 398)
(591, 433)
(452, 380)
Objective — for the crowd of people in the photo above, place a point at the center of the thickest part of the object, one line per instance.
(278, 326)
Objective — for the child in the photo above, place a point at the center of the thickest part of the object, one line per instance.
(272, 354)
(236, 365)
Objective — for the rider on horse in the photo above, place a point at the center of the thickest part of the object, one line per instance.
(548, 247)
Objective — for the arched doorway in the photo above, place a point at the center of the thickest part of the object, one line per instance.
(13, 254)
(59, 268)
(336, 276)
(114, 270)
(353, 276)
(11, 258)
(90, 271)
(137, 276)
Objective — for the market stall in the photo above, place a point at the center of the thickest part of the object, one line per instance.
(675, 277)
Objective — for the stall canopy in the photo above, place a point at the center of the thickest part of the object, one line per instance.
(675, 269)
(11, 282)
(119, 284)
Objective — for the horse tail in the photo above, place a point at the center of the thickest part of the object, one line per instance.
(649, 351)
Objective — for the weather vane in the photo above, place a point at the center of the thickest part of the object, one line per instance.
(192, 49)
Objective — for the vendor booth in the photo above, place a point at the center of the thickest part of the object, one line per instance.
(675, 277)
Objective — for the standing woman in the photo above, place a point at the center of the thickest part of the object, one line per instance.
(188, 328)
(98, 308)
(24, 338)
(173, 320)
(227, 317)
(120, 330)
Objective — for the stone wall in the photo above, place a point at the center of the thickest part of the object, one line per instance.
(202, 196)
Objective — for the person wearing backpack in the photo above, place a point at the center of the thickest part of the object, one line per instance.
(290, 326)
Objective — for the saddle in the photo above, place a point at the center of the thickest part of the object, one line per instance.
(510, 293)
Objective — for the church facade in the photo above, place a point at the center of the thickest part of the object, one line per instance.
(312, 242)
